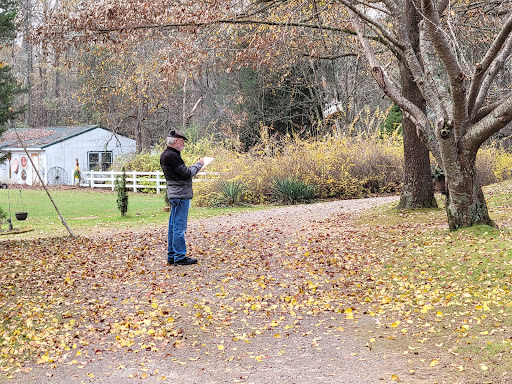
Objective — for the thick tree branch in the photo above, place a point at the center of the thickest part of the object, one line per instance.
(371, 21)
(491, 75)
(489, 125)
(414, 65)
(449, 58)
(428, 57)
(502, 43)
(484, 111)
(392, 91)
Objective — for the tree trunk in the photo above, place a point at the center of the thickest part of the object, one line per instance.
(29, 69)
(465, 201)
(418, 189)
(138, 130)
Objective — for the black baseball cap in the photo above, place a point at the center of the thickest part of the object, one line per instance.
(177, 134)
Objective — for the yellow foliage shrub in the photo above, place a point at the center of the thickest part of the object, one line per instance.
(336, 167)
(502, 165)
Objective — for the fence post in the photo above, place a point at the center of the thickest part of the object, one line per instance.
(157, 183)
(112, 180)
(134, 181)
(92, 179)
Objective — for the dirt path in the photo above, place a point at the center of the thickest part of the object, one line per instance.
(264, 305)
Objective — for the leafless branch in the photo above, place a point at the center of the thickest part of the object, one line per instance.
(503, 43)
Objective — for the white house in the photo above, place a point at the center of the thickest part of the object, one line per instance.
(54, 151)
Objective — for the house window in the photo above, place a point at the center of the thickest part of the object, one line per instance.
(100, 161)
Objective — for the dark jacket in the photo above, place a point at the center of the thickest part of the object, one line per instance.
(177, 174)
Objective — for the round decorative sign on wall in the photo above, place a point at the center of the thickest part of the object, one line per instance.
(15, 166)
(23, 161)
(23, 175)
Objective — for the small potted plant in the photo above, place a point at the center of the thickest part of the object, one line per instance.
(439, 179)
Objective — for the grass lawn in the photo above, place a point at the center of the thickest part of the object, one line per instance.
(443, 299)
(87, 210)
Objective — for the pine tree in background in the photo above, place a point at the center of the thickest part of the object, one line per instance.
(392, 122)
(122, 195)
(9, 85)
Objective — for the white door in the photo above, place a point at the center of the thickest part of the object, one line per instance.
(35, 160)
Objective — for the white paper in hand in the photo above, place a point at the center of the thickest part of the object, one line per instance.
(207, 160)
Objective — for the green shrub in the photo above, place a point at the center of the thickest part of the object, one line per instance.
(392, 122)
(231, 192)
(291, 190)
(3, 215)
(122, 195)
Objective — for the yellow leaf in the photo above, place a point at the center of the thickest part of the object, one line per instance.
(395, 324)
(434, 362)
(484, 367)
(394, 378)
(460, 368)
(425, 309)
(277, 336)
(220, 347)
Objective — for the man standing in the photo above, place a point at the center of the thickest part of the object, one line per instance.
(179, 193)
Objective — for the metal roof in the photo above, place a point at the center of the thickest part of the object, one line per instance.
(42, 137)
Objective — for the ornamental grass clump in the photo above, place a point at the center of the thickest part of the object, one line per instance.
(291, 190)
(231, 192)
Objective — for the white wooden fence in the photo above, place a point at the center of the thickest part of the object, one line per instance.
(134, 180)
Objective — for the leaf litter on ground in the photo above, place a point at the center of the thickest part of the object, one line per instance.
(443, 307)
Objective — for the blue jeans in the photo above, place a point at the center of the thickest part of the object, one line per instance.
(176, 247)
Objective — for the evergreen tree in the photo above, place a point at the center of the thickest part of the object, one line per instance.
(392, 122)
(9, 85)
(122, 195)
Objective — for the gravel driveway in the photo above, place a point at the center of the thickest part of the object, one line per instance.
(324, 348)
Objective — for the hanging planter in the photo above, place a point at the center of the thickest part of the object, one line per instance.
(21, 215)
